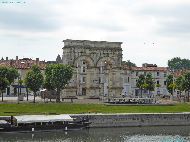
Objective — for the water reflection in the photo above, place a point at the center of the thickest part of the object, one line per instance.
(127, 134)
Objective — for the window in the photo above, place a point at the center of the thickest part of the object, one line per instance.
(145, 73)
(99, 79)
(83, 69)
(84, 79)
(137, 73)
(165, 74)
(158, 73)
(158, 82)
(128, 79)
(165, 82)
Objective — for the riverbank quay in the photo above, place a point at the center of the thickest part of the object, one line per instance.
(136, 119)
(101, 120)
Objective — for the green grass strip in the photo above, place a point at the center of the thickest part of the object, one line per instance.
(67, 108)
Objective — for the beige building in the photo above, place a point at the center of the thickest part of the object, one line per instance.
(97, 68)
(131, 75)
(23, 66)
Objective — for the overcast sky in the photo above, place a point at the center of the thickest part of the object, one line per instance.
(152, 31)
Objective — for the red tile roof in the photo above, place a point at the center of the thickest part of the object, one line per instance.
(22, 63)
(163, 69)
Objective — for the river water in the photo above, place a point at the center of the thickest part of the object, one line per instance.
(127, 134)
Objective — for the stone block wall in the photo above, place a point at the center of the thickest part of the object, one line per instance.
(148, 119)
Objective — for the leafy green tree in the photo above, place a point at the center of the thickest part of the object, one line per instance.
(3, 85)
(34, 80)
(8, 74)
(129, 63)
(141, 82)
(170, 85)
(186, 84)
(12, 74)
(3, 71)
(180, 84)
(57, 76)
(179, 64)
(149, 83)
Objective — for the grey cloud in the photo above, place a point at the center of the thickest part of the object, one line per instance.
(173, 21)
(99, 24)
(180, 27)
(29, 20)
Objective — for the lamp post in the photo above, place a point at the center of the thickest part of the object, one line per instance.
(172, 84)
(18, 91)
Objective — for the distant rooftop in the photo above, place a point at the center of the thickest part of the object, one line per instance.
(25, 63)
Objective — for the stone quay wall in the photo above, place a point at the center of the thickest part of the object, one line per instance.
(137, 119)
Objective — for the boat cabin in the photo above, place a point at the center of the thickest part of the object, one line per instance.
(36, 120)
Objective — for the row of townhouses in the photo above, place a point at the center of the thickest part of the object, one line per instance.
(98, 70)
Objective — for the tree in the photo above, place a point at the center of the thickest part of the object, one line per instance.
(149, 83)
(3, 85)
(180, 84)
(7, 75)
(12, 74)
(186, 84)
(140, 83)
(129, 63)
(57, 76)
(34, 79)
(179, 64)
(170, 85)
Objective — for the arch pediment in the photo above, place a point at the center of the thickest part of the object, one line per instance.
(85, 58)
(108, 60)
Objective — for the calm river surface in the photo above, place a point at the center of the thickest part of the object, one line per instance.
(127, 134)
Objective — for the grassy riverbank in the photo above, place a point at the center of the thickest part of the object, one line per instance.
(63, 108)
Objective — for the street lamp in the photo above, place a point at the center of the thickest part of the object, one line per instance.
(172, 83)
(18, 91)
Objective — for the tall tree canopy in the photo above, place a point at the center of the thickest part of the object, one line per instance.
(12, 74)
(178, 64)
(180, 84)
(170, 85)
(141, 82)
(186, 84)
(57, 76)
(129, 63)
(7, 76)
(3, 85)
(149, 82)
(34, 80)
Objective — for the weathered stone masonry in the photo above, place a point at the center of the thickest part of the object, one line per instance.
(97, 67)
(146, 119)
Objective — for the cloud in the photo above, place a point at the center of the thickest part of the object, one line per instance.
(33, 18)
(172, 18)
(38, 27)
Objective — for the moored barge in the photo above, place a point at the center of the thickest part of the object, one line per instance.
(32, 123)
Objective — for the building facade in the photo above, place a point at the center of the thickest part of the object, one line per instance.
(131, 75)
(23, 66)
(97, 68)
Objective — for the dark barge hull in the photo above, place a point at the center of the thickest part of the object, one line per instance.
(49, 127)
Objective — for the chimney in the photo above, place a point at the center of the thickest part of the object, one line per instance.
(7, 58)
(37, 61)
(16, 58)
